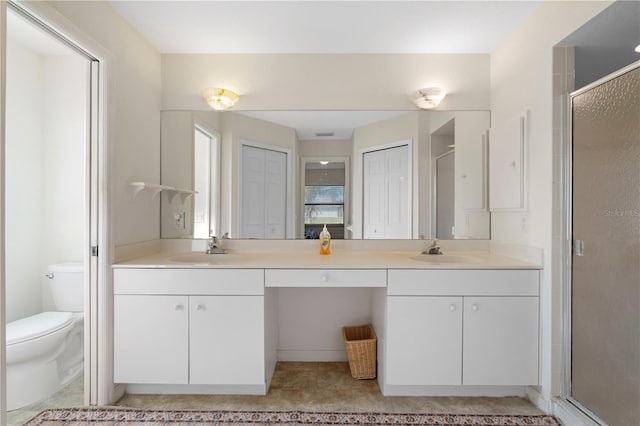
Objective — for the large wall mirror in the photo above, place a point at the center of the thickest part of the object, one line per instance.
(365, 174)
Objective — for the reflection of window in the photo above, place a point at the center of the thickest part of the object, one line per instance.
(324, 204)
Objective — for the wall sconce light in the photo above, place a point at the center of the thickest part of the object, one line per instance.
(220, 99)
(428, 98)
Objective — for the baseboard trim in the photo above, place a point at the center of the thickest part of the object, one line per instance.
(118, 392)
(198, 389)
(312, 356)
(403, 390)
(538, 400)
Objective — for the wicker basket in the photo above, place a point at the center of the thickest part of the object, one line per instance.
(361, 343)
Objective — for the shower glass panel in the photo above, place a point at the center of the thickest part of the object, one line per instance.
(605, 307)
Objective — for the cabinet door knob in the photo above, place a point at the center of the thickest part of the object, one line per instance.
(199, 307)
(474, 307)
(324, 278)
(452, 307)
(177, 307)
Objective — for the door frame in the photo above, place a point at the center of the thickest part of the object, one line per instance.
(99, 388)
(360, 168)
(567, 249)
(214, 172)
(434, 191)
(289, 209)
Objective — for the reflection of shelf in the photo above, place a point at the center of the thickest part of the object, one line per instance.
(172, 191)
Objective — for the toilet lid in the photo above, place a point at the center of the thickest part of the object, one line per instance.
(36, 326)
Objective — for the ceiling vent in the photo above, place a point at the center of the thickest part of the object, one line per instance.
(324, 134)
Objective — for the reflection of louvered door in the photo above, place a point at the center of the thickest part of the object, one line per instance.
(264, 193)
(386, 198)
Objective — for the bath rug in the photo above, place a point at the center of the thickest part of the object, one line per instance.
(96, 416)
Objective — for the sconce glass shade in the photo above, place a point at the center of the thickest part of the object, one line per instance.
(220, 99)
(428, 98)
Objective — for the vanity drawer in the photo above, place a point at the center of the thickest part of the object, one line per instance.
(411, 282)
(188, 281)
(325, 278)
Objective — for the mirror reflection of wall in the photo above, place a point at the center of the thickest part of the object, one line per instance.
(342, 137)
(190, 159)
(463, 211)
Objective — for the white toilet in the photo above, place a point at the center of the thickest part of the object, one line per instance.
(45, 351)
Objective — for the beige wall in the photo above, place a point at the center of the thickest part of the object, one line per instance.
(328, 148)
(333, 82)
(521, 79)
(133, 132)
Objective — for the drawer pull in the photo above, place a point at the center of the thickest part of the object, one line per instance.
(452, 307)
(474, 307)
(199, 307)
(324, 278)
(177, 307)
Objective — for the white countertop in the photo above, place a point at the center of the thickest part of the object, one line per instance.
(347, 259)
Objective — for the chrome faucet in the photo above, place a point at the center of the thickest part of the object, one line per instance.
(434, 248)
(212, 247)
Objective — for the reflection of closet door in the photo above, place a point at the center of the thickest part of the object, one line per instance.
(386, 189)
(263, 193)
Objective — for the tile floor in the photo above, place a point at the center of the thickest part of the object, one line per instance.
(328, 386)
(70, 396)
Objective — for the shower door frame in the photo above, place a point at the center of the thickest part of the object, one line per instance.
(567, 255)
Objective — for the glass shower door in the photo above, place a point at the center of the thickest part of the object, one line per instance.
(605, 301)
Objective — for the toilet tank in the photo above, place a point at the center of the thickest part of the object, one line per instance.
(66, 281)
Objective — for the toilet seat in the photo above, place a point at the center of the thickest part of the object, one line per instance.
(37, 326)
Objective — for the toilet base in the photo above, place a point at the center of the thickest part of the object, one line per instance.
(39, 378)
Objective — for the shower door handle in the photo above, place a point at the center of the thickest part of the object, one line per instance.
(578, 247)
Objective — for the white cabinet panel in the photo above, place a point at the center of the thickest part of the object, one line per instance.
(151, 339)
(468, 282)
(227, 340)
(188, 281)
(500, 341)
(424, 340)
(325, 278)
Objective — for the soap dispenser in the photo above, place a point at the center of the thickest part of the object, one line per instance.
(325, 241)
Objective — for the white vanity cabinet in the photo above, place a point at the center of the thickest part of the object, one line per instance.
(189, 327)
(226, 339)
(151, 339)
(462, 327)
(424, 340)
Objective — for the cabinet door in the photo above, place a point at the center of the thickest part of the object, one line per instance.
(151, 339)
(500, 341)
(424, 340)
(227, 340)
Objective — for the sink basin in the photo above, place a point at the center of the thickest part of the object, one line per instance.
(445, 258)
(199, 258)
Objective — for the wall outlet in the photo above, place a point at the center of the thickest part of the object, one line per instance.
(524, 222)
(180, 220)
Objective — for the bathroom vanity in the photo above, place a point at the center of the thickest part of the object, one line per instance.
(459, 324)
